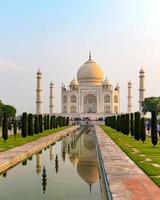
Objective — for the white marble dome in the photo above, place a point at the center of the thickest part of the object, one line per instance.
(74, 82)
(90, 71)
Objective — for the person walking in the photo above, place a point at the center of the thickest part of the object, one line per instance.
(148, 127)
(158, 129)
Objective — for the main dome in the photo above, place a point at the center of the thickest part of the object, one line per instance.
(90, 71)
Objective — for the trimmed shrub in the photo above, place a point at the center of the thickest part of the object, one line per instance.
(51, 122)
(137, 135)
(5, 127)
(54, 122)
(36, 124)
(143, 131)
(40, 117)
(48, 120)
(132, 124)
(30, 124)
(127, 124)
(24, 124)
(15, 127)
(154, 136)
(45, 122)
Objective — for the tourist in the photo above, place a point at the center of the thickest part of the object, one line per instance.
(158, 129)
(148, 127)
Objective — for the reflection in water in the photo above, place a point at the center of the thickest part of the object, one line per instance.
(76, 157)
(56, 163)
(30, 158)
(64, 155)
(82, 154)
(51, 155)
(4, 174)
(39, 163)
(44, 179)
(24, 162)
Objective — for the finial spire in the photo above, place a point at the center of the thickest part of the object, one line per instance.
(89, 55)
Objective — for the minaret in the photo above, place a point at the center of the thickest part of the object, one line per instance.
(141, 89)
(90, 57)
(39, 102)
(51, 104)
(129, 106)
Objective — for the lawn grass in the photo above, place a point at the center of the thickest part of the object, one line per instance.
(143, 154)
(19, 140)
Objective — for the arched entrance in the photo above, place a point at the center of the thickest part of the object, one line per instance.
(90, 104)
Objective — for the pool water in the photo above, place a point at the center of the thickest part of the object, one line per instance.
(70, 167)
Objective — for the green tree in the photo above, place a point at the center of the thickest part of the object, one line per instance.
(151, 104)
(24, 124)
(30, 124)
(36, 124)
(9, 110)
(132, 124)
(51, 122)
(48, 120)
(137, 135)
(40, 117)
(127, 124)
(143, 131)
(45, 122)
(154, 136)
(5, 127)
(15, 127)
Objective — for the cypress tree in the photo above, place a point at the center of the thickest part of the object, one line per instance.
(45, 122)
(137, 126)
(15, 127)
(154, 136)
(54, 122)
(40, 117)
(48, 120)
(127, 124)
(132, 124)
(143, 131)
(117, 123)
(51, 122)
(30, 124)
(67, 121)
(121, 123)
(36, 124)
(5, 127)
(24, 124)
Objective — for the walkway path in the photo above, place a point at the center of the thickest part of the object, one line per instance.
(12, 157)
(127, 180)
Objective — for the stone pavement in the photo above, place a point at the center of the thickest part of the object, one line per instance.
(13, 156)
(127, 180)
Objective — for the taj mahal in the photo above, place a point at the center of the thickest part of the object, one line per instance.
(90, 94)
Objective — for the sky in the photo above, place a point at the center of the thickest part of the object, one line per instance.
(56, 36)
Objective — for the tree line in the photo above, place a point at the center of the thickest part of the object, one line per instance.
(134, 124)
(29, 124)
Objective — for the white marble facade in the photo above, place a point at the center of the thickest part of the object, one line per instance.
(91, 94)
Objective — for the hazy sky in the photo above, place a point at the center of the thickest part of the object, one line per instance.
(56, 35)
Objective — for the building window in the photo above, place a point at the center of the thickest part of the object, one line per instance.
(107, 99)
(115, 99)
(115, 109)
(64, 109)
(73, 109)
(64, 99)
(73, 99)
(107, 109)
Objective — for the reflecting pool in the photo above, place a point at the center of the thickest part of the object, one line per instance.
(66, 170)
